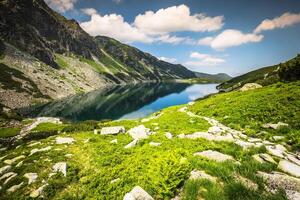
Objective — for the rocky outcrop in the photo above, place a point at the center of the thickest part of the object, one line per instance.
(112, 130)
(250, 86)
(137, 193)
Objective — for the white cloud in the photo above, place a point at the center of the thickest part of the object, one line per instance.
(176, 18)
(170, 60)
(61, 5)
(171, 39)
(287, 19)
(89, 11)
(230, 38)
(114, 26)
(204, 60)
(117, 1)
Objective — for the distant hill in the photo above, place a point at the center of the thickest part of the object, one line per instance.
(217, 78)
(287, 71)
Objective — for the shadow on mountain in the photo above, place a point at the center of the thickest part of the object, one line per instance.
(108, 103)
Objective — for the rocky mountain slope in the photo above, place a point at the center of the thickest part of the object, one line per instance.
(287, 71)
(54, 57)
(217, 78)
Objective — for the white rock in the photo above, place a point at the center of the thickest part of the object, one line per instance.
(277, 138)
(95, 131)
(191, 103)
(155, 144)
(131, 144)
(290, 168)
(31, 177)
(214, 155)
(250, 86)
(15, 187)
(10, 177)
(86, 140)
(139, 132)
(33, 151)
(112, 130)
(169, 135)
(115, 141)
(257, 158)
(4, 169)
(196, 174)
(215, 130)
(137, 193)
(69, 155)
(11, 161)
(115, 180)
(254, 140)
(211, 137)
(293, 159)
(34, 144)
(6, 175)
(66, 140)
(275, 151)
(243, 144)
(182, 135)
(19, 164)
(274, 126)
(36, 193)
(60, 167)
(267, 157)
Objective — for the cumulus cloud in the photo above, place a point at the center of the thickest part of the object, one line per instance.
(230, 38)
(61, 5)
(176, 18)
(170, 60)
(114, 26)
(204, 60)
(171, 39)
(287, 19)
(89, 11)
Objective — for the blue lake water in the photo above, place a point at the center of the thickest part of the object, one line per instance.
(122, 102)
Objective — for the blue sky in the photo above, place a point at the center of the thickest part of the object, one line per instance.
(231, 36)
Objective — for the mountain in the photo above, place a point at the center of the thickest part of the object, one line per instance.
(217, 78)
(45, 56)
(287, 71)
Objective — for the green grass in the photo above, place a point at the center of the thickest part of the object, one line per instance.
(250, 110)
(97, 67)
(60, 61)
(9, 132)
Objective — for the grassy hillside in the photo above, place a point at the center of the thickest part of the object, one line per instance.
(98, 168)
(287, 71)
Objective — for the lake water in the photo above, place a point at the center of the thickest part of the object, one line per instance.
(123, 102)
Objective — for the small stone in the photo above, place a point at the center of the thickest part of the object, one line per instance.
(139, 132)
(34, 144)
(267, 158)
(131, 144)
(182, 135)
(20, 164)
(169, 135)
(275, 151)
(156, 128)
(86, 141)
(66, 140)
(115, 180)
(69, 155)
(10, 177)
(254, 140)
(15, 187)
(33, 151)
(115, 141)
(36, 193)
(215, 130)
(6, 175)
(95, 131)
(137, 193)
(31, 177)
(214, 155)
(11, 161)
(278, 138)
(4, 169)
(293, 159)
(112, 130)
(274, 126)
(155, 144)
(290, 168)
(257, 158)
(60, 167)
(196, 175)
(243, 144)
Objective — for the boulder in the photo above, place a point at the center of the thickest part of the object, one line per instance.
(215, 156)
(250, 86)
(4, 169)
(60, 167)
(137, 193)
(196, 175)
(169, 135)
(289, 168)
(257, 158)
(112, 130)
(15, 187)
(31, 177)
(64, 140)
(139, 132)
(267, 157)
(275, 151)
(293, 159)
(131, 144)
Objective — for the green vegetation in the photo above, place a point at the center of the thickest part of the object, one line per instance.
(97, 67)
(9, 132)
(60, 61)
(98, 168)
(288, 71)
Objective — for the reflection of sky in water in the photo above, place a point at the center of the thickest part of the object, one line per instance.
(189, 94)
